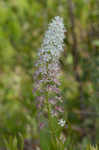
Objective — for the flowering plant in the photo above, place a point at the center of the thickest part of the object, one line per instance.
(49, 100)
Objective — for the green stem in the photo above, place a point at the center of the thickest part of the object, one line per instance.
(54, 141)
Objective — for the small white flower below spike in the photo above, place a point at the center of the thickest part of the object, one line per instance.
(62, 138)
(61, 122)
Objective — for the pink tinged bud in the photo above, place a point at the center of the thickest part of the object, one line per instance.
(54, 113)
(53, 89)
(38, 105)
(59, 109)
(56, 90)
(56, 81)
(59, 99)
(41, 125)
(40, 98)
(52, 101)
(34, 90)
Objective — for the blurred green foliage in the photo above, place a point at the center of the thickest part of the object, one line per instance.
(22, 26)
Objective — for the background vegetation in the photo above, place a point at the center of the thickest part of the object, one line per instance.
(22, 26)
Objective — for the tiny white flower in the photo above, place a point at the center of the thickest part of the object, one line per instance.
(53, 113)
(61, 122)
(62, 138)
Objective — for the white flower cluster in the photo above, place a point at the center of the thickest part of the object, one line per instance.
(53, 41)
(61, 122)
(48, 69)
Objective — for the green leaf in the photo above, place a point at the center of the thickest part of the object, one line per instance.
(15, 143)
(22, 141)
